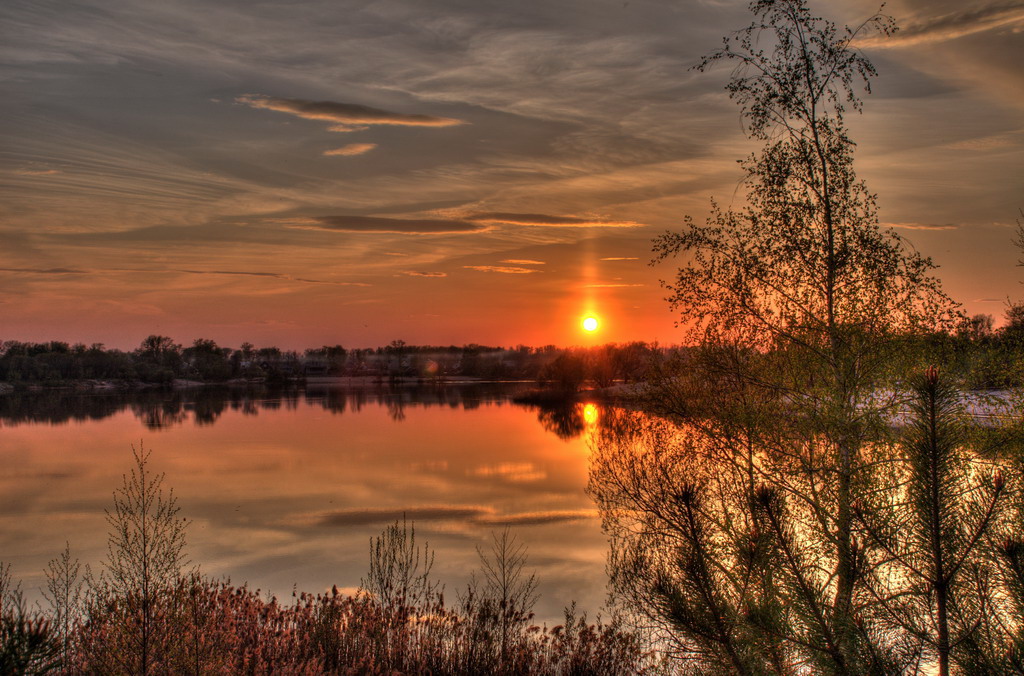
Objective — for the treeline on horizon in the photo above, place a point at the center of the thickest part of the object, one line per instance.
(983, 356)
(160, 361)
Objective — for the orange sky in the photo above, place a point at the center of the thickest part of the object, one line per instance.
(319, 172)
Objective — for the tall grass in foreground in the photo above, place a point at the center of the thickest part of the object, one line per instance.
(146, 613)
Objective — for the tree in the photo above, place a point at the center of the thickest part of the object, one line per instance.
(508, 593)
(927, 538)
(399, 576)
(145, 558)
(27, 644)
(795, 299)
(65, 595)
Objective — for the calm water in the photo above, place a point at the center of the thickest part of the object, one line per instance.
(287, 490)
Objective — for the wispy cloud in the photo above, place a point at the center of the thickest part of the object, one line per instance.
(37, 172)
(546, 220)
(137, 271)
(47, 271)
(351, 149)
(620, 258)
(523, 261)
(271, 275)
(421, 273)
(345, 114)
(951, 26)
(367, 517)
(921, 226)
(538, 518)
(609, 286)
(347, 128)
(507, 270)
(516, 472)
(398, 226)
(990, 142)
(477, 515)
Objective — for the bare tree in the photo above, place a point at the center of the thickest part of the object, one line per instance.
(507, 587)
(145, 558)
(399, 575)
(64, 592)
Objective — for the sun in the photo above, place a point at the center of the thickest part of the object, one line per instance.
(590, 324)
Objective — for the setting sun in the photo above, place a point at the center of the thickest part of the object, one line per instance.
(590, 324)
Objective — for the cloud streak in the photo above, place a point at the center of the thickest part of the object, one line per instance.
(476, 515)
(421, 273)
(351, 150)
(345, 114)
(395, 226)
(523, 261)
(921, 226)
(136, 271)
(951, 26)
(368, 517)
(538, 518)
(270, 275)
(37, 172)
(503, 269)
(547, 220)
(47, 271)
(516, 472)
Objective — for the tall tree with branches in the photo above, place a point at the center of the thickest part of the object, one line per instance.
(144, 564)
(804, 269)
(794, 298)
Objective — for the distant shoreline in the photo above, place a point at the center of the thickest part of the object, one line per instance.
(92, 385)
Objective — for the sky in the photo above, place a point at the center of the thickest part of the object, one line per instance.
(347, 171)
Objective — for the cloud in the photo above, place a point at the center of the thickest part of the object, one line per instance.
(989, 300)
(271, 275)
(523, 261)
(397, 226)
(620, 258)
(609, 286)
(537, 518)
(951, 26)
(482, 516)
(500, 268)
(345, 114)
(546, 220)
(367, 517)
(351, 149)
(36, 172)
(991, 142)
(47, 271)
(516, 472)
(920, 226)
(243, 273)
(420, 273)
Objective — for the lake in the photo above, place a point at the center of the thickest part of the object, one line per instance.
(285, 490)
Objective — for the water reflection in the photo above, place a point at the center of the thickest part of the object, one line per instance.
(286, 487)
(162, 409)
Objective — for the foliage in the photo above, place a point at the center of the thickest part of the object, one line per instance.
(930, 541)
(719, 545)
(795, 300)
(159, 360)
(27, 644)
